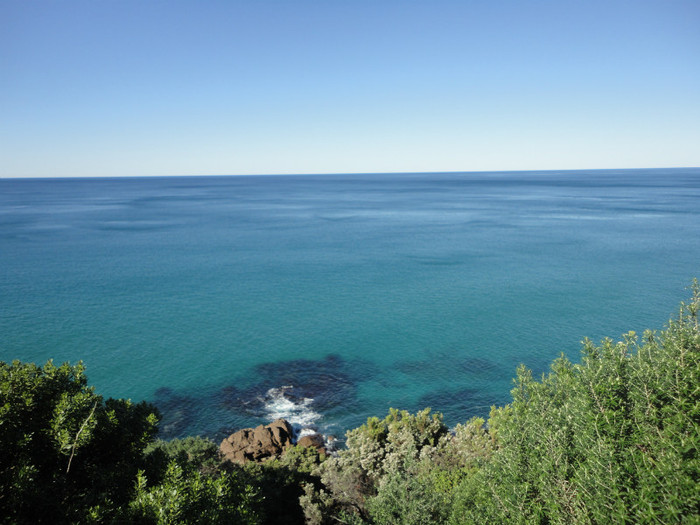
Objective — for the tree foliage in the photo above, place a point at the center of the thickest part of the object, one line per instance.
(186, 495)
(65, 449)
(612, 439)
(401, 469)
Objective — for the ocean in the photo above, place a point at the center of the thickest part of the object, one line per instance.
(326, 299)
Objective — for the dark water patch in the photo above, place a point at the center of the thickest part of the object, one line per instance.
(186, 197)
(436, 400)
(330, 382)
(449, 364)
(411, 367)
(16, 221)
(177, 412)
(339, 218)
(486, 223)
(135, 226)
(20, 237)
(229, 395)
(476, 365)
(436, 261)
(460, 405)
(308, 393)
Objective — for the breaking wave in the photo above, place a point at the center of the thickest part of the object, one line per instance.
(282, 402)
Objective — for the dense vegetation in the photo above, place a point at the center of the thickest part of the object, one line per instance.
(613, 438)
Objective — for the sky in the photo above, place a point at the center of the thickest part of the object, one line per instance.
(149, 87)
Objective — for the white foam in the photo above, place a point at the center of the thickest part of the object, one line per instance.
(279, 403)
(306, 432)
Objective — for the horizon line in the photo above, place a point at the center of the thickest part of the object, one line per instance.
(339, 173)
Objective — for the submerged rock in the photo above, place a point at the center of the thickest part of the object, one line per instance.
(258, 444)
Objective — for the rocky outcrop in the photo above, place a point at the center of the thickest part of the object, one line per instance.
(314, 440)
(259, 443)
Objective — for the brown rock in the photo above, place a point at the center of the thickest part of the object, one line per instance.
(315, 441)
(258, 444)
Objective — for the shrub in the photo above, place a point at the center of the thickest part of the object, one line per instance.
(193, 452)
(65, 449)
(612, 439)
(188, 496)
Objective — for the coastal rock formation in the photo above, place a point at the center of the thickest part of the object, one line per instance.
(259, 443)
(314, 440)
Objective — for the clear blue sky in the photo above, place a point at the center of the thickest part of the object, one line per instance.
(148, 87)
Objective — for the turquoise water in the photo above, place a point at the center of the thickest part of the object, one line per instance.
(208, 295)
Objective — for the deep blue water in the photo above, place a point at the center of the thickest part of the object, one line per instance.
(360, 292)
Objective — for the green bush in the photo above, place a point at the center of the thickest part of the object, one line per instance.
(281, 483)
(185, 495)
(612, 439)
(193, 452)
(375, 451)
(65, 449)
